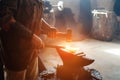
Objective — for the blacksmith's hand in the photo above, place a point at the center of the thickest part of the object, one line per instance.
(52, 33)
(37, 42)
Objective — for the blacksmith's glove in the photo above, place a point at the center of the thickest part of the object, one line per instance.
(52, 33)
(37, 42)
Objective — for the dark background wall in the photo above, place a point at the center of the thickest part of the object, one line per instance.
(84, 22)
(74, 5)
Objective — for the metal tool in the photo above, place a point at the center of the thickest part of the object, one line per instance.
(67, 34)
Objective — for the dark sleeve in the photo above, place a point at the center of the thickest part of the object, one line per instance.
(20, 30)
(17, 28)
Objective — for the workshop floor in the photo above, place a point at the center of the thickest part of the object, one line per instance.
(106, 55)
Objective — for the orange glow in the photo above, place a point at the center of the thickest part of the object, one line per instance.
(70, 49)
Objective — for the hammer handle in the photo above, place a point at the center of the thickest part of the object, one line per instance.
(54, 46)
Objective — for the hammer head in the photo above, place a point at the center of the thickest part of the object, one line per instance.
(67, 35)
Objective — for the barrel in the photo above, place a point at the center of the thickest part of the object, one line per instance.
(104, 25)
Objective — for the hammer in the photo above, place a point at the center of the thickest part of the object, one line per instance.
(67, 35)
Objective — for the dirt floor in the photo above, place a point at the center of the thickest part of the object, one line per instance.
(106, 55)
